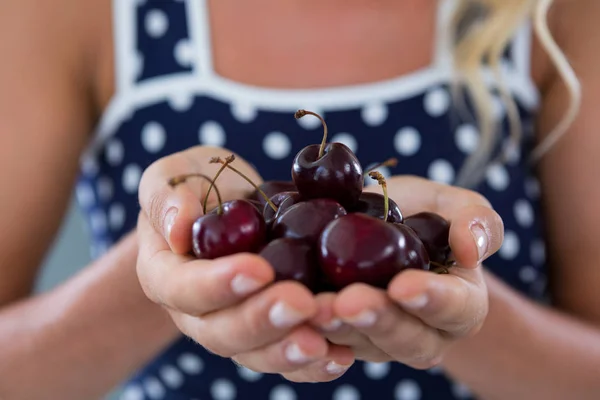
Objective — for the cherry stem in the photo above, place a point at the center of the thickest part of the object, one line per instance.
(301, 113)
(226, 164)
(392, 162)
(177, 180)
(381, 180)
(441, 268)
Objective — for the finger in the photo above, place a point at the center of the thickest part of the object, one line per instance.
(172, 211)
(260, 320)
(301, 347)
(337, 332)
(400, 335)
(449, 303)
(476, 230)
(192, 286)
(335, 364)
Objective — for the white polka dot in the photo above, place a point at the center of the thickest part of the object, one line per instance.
(171, 376)
(537, 252)
(181, 101)
(116, 216)
(375, 114)
(132, 393)
(347, 139)
(377, 370)
(249, 375)
(98, 221)
(528, 274)
(282, 392)
(89, 165)
(385, 171)
(407, 141)
(310, 121)
(277, 145)
(190, 363)
(437, 102)
(153, 137)
(524, 213)
(85, 195)
(212, 134)
(154, 388)
(223, 389)
(407, 390)
(467, 138)
(510, 247)
(105, 188)
(461, 391)
(441, 171)
(156, 23)
(533, 188)
(184, 53)
(114, 152)
(131, 178)
(244, 112)
(346, 392)
(497, 177)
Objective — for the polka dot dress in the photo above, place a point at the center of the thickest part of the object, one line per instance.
(168, 100)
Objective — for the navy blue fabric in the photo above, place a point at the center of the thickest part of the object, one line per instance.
(425, 134)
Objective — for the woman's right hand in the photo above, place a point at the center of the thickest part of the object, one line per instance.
(230, 306)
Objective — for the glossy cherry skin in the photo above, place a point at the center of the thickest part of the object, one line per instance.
(282, 201)
(271, 188)
(240, 228)
(256, 204)
(373, 204)
(434, 232)
(359, 248)
(306, 220)
(293, 259)
(337, 175)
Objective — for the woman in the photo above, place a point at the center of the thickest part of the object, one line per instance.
(177, 82)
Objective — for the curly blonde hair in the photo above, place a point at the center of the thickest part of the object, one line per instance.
(481, 30)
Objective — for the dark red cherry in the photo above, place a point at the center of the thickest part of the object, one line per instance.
(306, 220)
(271, 188)
(293, 259)
(329, 171)
(434, 232)
(282, 201)
(238, 228)
(359, 248)
(373, 204)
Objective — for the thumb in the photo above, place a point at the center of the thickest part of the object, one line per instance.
(172, 210)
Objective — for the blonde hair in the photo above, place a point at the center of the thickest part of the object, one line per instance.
(481, 30)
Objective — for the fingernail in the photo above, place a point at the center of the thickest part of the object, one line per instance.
(416, 302)
(481, 240)
(283, 316)
(242, 285)
(332, 325)
(365, 319)
(170, 221)
(294, 354)
(334, 368)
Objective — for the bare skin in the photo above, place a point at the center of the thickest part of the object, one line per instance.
(66, 80)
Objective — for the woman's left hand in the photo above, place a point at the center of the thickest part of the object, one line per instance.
(422, 313)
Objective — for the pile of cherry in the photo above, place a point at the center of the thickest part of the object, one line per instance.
(321, 229)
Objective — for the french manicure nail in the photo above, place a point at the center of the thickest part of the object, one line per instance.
(365, 319)
(283, 316)
(481, 240)
(333, 325)
(334, 368)
(170, 221)
(416, 302)
(294, 354)
(242, 285)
